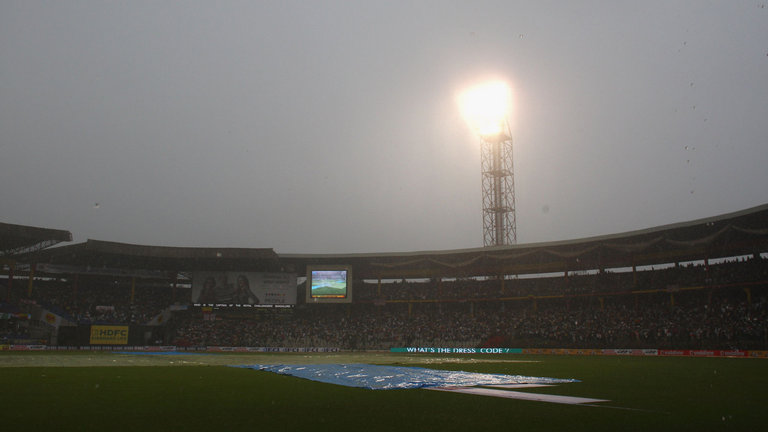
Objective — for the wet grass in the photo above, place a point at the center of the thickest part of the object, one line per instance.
(97, 393)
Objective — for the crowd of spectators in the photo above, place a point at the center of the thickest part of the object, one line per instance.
(353, 327)
(12, 330)
(724, 321)
(97, 301)
(13, 333)
(14, 325)
(694, 306)
(714, 306)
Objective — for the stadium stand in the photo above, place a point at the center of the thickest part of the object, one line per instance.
(695, 285)
(724, 316)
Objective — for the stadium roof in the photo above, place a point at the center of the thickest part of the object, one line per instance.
(95, 256)
(21, 239)
(734, 234)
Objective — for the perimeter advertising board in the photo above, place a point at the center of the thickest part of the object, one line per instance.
(243, 289)
(109, 335)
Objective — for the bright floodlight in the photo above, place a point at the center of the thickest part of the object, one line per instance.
(485, 107)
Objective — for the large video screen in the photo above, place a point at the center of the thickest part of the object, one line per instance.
(329, 284)
(243, 289)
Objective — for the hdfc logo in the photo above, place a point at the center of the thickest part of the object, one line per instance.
(109, 335)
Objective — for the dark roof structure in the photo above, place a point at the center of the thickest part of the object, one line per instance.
(22, 239)
(111, 256)
(734, 234)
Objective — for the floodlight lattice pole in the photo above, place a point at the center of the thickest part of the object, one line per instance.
(499, 221)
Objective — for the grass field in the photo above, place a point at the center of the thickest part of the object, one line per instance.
(113, 392)
(329, 288)
(326, 291)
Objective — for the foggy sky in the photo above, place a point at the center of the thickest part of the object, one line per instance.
(332, 126)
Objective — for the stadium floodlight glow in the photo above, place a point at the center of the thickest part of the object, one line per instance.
(486, 109)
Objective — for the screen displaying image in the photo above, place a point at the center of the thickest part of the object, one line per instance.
(329, 284)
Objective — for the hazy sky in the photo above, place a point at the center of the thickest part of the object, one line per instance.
(332, 126)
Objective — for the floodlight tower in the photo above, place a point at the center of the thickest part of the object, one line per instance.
(499, 222)
(486, 108)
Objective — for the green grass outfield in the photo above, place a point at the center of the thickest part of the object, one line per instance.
(102, 391)
(328, 291)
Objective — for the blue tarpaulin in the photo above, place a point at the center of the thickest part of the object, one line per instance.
(378, 377)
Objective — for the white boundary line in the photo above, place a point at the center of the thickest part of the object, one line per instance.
(569, 400)
(510, 386)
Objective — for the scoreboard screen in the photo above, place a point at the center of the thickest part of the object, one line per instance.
(329, 284)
